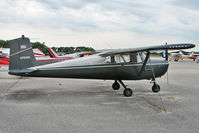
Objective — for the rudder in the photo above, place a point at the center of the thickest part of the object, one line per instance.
(52, 53)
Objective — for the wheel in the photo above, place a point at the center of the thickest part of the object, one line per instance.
(155, 88)
(128, 92)
(116, 86)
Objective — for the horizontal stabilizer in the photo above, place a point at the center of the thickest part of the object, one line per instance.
(22, 71)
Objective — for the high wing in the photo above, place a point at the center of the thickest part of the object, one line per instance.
(150, 48)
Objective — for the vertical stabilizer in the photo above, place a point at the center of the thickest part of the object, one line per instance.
(21, 54)
(52, 53)
(180, 51)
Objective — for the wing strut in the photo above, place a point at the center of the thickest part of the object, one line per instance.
(144, 64)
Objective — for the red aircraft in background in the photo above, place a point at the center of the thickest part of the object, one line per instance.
(40, 57)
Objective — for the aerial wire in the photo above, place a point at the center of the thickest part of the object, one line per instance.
(164, 109)
(10, 87)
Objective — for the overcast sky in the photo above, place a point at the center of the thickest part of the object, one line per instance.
(101, 24)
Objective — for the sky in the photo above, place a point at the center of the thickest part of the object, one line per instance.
(101, 24)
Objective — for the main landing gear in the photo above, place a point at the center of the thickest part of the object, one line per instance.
(127, 91)
(116, 85)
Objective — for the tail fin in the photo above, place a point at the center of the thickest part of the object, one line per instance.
(53, 53)
(38, 52)
(181, 52)
(21, 55)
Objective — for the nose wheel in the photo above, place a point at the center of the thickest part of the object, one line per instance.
(155, 88)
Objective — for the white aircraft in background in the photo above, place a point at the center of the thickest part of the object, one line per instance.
(5, 52)
(74, 55)
(38, 52)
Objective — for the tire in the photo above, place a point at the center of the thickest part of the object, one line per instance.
(155, 88)
(116, 86)
(128, 92)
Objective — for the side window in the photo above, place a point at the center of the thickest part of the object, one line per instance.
(141, 56)
(118, 58)
(125, 58)
(109, 59)
(133, 57)
(137, 57)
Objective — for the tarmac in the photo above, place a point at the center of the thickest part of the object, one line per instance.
(55, 105)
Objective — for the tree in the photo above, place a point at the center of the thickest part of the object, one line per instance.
(44, 48)
(41, 46)
(4, 44)
(82, 48)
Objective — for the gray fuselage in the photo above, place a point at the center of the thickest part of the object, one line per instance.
(95, 67)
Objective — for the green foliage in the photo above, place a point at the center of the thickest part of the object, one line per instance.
(69, 50)
(155, 53)
(44, 48)
(78, 49)
(4, 44)
(41, 46)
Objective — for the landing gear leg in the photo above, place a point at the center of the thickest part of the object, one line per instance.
(155, 87)
(116, 85)
(127, 91)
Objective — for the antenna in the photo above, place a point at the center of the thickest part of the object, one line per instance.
(166, 58)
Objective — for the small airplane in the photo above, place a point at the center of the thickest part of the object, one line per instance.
(38, 52)
(117, 65)
(173, 56)
(4, 52)
(39, 55)
(74, 55)
(193, 55)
